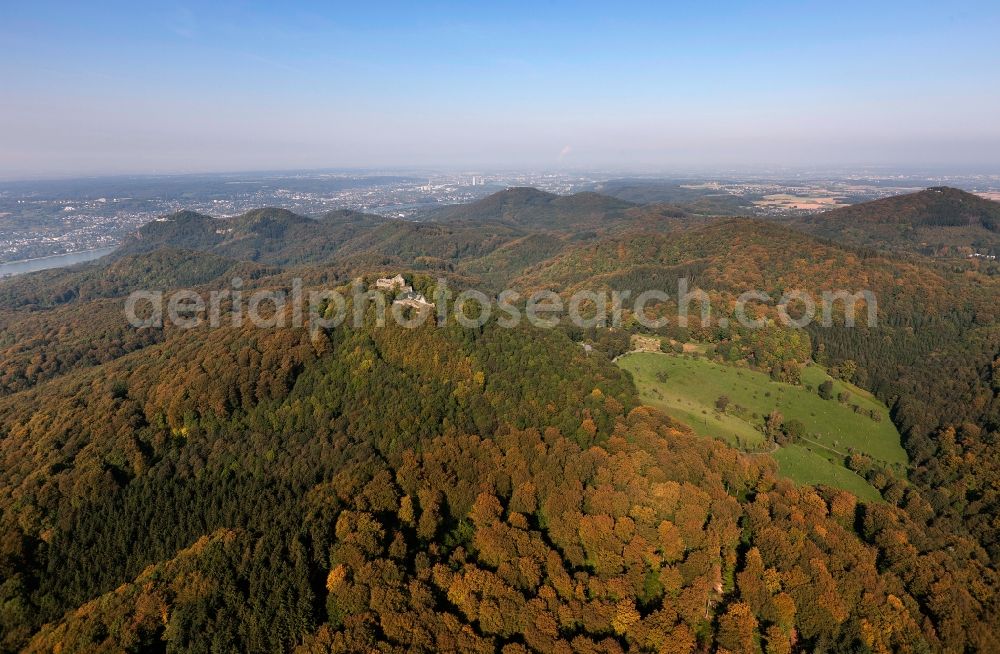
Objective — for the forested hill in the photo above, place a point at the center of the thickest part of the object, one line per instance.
(268, 235)
(493, 239)
(531, 208)
(492, 489)
(693, 196)
(934, 356)
(939, 206)
(935, 221)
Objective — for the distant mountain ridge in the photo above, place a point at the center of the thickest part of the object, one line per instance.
(530, 224)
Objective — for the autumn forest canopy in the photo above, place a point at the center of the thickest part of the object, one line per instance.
(376, 488)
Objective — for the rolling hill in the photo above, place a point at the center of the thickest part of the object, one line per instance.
(692, 198)
(278, 236)
(939, 221)
(534, 209)
(931, 357)
(267, 235)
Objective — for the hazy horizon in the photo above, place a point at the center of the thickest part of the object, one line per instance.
(805, 173)
(179, 89)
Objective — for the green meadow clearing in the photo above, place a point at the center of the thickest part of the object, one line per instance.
(805, 467)
(687, 388)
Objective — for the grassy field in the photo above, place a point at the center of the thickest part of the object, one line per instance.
(687, 388)
(805, 467)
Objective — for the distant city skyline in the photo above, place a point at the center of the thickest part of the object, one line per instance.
(171, 88)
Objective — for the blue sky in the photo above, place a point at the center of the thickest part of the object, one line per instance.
(240, 86)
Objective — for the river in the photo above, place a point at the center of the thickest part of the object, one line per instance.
(55, 261)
